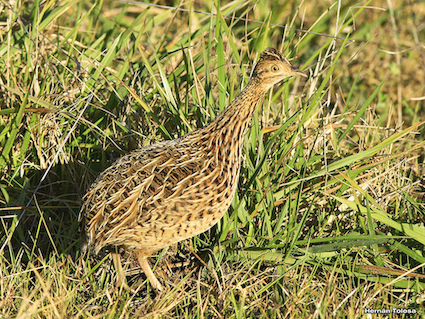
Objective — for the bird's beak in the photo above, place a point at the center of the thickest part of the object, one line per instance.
(296, 71)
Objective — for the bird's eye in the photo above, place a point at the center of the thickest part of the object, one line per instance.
(275, 68)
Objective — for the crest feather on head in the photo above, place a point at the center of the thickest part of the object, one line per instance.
(271, 54)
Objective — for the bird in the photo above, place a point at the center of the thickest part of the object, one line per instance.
(172, 190)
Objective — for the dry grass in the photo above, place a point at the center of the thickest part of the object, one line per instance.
(330, 209)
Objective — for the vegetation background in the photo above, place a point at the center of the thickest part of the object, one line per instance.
(329, 215)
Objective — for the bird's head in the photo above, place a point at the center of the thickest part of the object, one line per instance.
(272, 67)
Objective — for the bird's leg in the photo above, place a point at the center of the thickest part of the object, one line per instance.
(143, 261)
(116, 259)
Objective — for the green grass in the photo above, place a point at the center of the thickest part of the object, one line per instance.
(330, 204)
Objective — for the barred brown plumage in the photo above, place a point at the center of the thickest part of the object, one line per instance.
(173, 190)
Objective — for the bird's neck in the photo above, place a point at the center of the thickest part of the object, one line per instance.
(223, 138)
(234, 121)
(226, 133)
